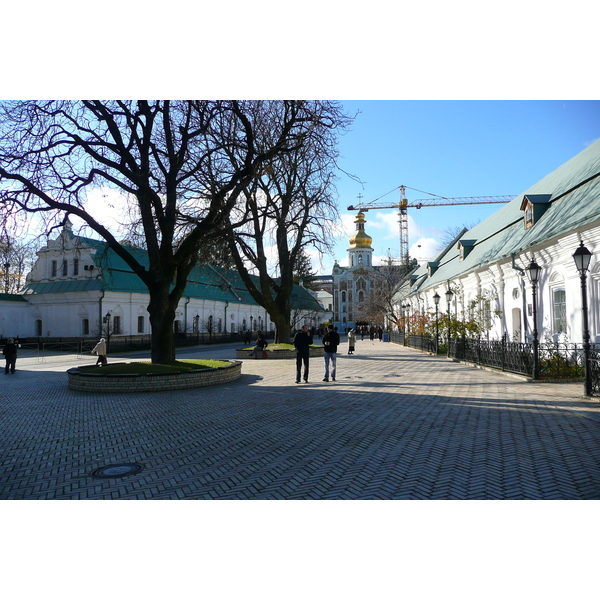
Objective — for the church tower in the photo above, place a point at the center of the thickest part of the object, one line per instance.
(360, 252)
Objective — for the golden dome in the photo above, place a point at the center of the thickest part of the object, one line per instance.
(360, 239)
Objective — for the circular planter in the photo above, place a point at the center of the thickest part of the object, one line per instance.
(245, 354)
(153, 382)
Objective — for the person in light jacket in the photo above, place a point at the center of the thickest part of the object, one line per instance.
(351, 341)
(100, 350)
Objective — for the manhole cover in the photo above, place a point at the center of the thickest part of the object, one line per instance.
(117, 470)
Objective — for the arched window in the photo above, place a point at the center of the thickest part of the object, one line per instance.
(38, 327)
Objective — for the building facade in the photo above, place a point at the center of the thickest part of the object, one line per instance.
(486, 267)
(352, 286)
(78, 285)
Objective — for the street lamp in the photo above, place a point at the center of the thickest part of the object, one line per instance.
(436, 299)
(533, 271)
(449, 295)
(7, 277)
(582, 259)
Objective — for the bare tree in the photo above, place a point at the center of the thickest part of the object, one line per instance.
(183, 164)
(379, 304)
(289, 208)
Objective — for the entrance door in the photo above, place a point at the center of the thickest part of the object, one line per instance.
(516, 325)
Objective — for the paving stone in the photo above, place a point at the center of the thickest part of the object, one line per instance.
(438, 431)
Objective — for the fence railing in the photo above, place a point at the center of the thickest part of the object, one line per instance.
(124, 343)
(555, 360)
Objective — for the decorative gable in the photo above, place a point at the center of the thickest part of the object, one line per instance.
(432, 268)
(534, 206)
(465, 247)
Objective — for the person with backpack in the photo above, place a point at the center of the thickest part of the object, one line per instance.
(331, 342)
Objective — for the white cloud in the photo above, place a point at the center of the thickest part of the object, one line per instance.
(424, 249)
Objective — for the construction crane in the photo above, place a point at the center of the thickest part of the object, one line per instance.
(404, 204)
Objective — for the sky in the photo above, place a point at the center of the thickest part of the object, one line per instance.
(453, 149)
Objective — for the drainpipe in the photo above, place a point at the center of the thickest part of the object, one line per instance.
(185, 315)
(225, 317)
(100, 312)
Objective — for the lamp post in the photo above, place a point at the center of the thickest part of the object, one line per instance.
(436, 299)
(449, 295)
(6, 277)
(534, 270)
(582, 257)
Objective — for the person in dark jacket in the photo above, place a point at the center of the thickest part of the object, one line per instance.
(260, 347)
(302, 341)
(10, 354)
(331, 342)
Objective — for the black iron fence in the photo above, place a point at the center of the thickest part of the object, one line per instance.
(124, 343)
(555, 360)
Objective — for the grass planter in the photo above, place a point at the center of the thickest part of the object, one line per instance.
(278, 353)
(82, 379)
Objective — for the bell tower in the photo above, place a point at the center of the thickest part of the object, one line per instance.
(360, 252)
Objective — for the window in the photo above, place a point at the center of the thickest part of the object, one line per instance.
(195, 324)
(76, 266)
(85, 326)
(65, 268)
(219, 325)
(559, 310)
(140, 328)
(116, 325)
(38, 327)
(54, 268)
(343, 296)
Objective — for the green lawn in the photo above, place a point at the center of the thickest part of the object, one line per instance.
(143, 368)
(281, 347)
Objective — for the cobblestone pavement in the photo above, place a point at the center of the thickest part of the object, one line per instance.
(397, 424)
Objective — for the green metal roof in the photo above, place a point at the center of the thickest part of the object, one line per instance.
(207, 282)
(12, 298)
(574, 189)
(62, 287)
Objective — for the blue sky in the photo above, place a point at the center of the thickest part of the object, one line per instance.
(450, 148)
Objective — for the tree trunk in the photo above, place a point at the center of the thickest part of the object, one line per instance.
(162, 317)
(283, 332)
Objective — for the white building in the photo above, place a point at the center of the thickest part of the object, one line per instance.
(77, 281)
(485, 267)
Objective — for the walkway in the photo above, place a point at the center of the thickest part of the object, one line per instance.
(397, 424)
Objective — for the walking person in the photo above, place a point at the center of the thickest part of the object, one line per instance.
(380, 333)
(10, 354)
(351, 341)
(302, 341)
(331, 341)
(100, 350)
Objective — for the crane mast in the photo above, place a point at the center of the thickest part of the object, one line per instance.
(403, 205)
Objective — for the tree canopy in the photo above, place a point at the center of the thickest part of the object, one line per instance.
(182, 165)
